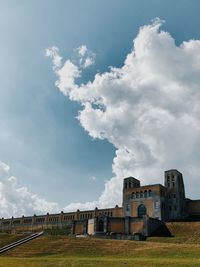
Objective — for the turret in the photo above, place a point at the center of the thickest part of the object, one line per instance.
(131, 182)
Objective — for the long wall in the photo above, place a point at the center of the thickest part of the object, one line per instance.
(34, 223)
(193, 207)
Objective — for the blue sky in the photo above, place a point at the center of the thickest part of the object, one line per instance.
(41, 139)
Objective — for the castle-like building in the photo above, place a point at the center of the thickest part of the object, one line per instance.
(165, 203)
(144, 209)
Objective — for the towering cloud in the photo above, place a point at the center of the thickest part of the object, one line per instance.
(148, 109)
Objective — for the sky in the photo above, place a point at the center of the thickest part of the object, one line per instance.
(94, 91)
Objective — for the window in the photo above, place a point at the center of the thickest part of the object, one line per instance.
(16, 222)
(6, 223)
(133, 195)
(38, 220)
(145, 193)
(168, 184)
(156, 204)
(170, 208)
(128, 207)
(172, 177)
(173, 184)
(174, 195)
(150, 193)
(142, 210)
(137, 195)
(28, 221)
(169, 196)
(168, 178)
(141, 194)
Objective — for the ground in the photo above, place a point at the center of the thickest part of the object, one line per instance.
(61, 251)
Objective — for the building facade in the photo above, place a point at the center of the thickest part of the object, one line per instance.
(144, 208)
(165, 203)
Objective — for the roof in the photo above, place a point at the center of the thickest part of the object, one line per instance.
(175, 170)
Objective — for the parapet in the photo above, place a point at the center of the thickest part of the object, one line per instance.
(131, 182)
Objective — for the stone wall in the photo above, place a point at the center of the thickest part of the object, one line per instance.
(193, 207)
(116, 225)
(42, 222)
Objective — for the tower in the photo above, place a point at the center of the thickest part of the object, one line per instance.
(175, 194)
(129, 184)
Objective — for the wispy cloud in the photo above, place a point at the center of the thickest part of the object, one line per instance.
(86, 57)
(93, 178)
(53, 53)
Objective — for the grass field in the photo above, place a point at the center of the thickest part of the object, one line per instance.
(6, 239)
(61, 251)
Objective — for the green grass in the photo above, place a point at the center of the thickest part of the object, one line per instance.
(61, 251)
(98, 262)
(6, 238)
(160, 258)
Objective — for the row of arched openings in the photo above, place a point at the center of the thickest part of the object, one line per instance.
(141, 194)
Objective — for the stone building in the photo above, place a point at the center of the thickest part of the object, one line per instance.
(157, 201)
(144, 209)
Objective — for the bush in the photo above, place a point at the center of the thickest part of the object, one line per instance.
(55, 230)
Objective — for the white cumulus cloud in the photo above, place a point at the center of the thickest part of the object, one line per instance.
(18, 201)
(82, 50)
(149, 109)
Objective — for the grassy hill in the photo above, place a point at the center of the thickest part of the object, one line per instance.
(185, 229)
(183, 232)
(6, 239)
(60, 251)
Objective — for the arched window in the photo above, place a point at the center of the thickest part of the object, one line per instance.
(145, 193)
(142, 210)
(133, 195)
(141, 194)
(137, 195)
(150, 193)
